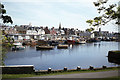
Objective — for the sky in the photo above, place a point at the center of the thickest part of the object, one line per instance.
(70, 13)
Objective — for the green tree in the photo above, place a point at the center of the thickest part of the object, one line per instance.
(5, 42)
(5, 18)
(90, 29)
(107, 13)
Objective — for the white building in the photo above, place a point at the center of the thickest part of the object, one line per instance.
(31, 32)
(34, 31)
(41, 32)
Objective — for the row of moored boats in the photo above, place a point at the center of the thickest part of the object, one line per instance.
(43, 44)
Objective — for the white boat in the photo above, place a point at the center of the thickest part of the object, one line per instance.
(17, 46)
(61, 46)
(44, 47)
(80, 42)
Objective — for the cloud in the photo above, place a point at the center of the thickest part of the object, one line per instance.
(47, 0)
(71, 13)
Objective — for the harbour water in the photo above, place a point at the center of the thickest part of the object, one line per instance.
(83, 55)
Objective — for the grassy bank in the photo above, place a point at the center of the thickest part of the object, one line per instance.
(8, 76)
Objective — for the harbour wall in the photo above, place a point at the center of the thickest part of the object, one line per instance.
(18, 69)
(28, 69)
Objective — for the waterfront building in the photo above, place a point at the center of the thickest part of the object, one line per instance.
(71, 31)
(28, 32)
(22, 29)
(47, 31)
(10, 30)
(35, 31)
(53, 31)
(103, 34)
(25, 32)
(62, 32)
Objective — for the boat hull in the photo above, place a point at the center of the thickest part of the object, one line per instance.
(44, 47)
(18, 48)
(70, 41)
(62, 46)
(81, 42)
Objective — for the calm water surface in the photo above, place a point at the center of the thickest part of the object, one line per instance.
(82, 55)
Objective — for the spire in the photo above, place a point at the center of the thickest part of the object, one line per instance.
(59, 25)
(30, 24)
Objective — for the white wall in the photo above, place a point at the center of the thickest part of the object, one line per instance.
(41, 32)
(27, 37)
(92, 35)
(20, 38)
(31, 32)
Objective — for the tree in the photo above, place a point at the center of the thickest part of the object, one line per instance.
(5, 18)
(112, 12)
(8, 44)
(90, 29)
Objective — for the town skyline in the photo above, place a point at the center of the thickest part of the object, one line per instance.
(71, 14)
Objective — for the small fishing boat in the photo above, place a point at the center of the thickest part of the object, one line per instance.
(71, 41)
(62, 41)
(52, 43)
(44, 47)
(80, 42)
(94, 40)
(17, 46)
(61, 46)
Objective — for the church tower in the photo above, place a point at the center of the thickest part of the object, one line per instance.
(59, 26)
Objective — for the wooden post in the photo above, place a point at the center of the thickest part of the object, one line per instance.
(65, 68)
(91, 68)
(49, 69)
(104, 67)
(78, 68)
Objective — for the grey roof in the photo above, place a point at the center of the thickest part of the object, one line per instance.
(21, 28)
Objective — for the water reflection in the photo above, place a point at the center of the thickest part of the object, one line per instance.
(81, 55)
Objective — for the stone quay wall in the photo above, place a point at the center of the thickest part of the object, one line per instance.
(28, 69)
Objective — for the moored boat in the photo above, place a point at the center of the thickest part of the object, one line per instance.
(94, 40)
(61, 46)
(52, 43)
(80, 42)
(17, 46)
(71, 41)
(44, 47)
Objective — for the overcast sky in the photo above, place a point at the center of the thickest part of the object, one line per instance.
(70, 13)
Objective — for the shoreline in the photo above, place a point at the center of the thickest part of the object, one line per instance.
(28, 69)
(13, 76)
